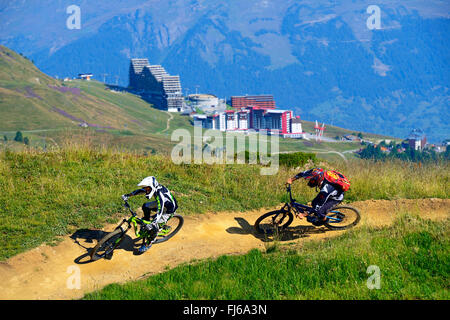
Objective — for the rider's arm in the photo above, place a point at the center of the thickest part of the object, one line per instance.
(299, 175)
(134, 193)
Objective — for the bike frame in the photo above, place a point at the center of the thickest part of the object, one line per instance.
(293, 204)
(134, 221)
(301, 208)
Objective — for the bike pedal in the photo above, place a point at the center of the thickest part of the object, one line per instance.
(109, 256)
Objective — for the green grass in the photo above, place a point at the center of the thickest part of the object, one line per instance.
(412, 256)
(395, 179)
(53, 193)
(142, 118)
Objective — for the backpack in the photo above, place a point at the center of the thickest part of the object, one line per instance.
(338, 179)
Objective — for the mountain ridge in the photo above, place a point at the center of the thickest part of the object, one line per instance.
(316, 57)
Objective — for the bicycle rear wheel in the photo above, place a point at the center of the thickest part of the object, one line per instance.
(172, 226)
(107, 244)
(274, 221)
(342, 217)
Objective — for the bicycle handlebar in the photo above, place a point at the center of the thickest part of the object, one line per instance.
(288, 189)
(127, 205)
(298, 206)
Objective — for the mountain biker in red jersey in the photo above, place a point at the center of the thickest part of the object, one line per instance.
(165, 206)
(329, 196)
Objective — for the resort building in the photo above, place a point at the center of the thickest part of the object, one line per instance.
(156, 85)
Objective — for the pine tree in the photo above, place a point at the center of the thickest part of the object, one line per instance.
(19, 137)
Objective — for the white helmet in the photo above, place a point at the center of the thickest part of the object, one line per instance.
(149, 182)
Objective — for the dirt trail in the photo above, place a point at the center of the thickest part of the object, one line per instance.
(44, 272)
(168, 122)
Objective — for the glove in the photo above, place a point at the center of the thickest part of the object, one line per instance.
(125, 197)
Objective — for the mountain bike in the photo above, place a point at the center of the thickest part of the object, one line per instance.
(338, 218)
(111, 241)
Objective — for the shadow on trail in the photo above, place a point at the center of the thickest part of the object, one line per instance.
(290, 233)
(88, 236)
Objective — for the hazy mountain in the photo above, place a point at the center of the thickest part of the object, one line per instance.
(317, 57)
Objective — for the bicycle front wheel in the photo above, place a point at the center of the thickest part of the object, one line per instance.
(342, 217)
(274, 221)
(170, 229)
(107, 244)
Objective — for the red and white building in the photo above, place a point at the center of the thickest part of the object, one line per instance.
(417, 139)
(261, 101)
(257, 113)
(296, 129)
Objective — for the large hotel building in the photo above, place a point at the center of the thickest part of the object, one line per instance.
(156, 85)
(254, 112)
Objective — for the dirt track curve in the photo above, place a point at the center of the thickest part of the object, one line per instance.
(45, 272)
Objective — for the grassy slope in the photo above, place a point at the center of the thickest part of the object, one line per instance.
(46, 194)
(28, 102)
(412, 257)
(28, 99)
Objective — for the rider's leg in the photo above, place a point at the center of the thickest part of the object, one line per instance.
(151, 207)
(147, 208)
(153, 228)
(321, 211)
(168, 211)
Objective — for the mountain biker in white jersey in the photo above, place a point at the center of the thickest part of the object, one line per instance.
(165, 206)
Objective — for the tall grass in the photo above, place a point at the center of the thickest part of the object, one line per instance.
(48, 194)
(412, 257)
(395, 179)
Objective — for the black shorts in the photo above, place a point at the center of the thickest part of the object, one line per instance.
(148, 207)
(327, 206)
